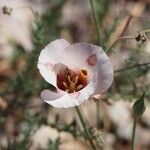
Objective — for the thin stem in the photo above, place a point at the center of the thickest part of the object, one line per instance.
(121, 38)
(95, 21)
(131, 67)
(126, 37)
(126, 25)
(146, 30)
(86, 130)
(133, 134)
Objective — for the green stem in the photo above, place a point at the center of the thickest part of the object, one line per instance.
(146, 30)
(86, 130)
(98, 114)
(132, 67)
(95, 21)
(133, 134)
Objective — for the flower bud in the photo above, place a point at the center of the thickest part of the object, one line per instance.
(141, 37)
(139, 106)
(7, 10)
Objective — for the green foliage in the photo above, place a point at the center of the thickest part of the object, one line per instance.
(29, 121)
(27, 82)
(101, 7)
(53, 145)
(126, 79)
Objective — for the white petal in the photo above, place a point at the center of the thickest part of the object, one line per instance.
(105, 72)
(48, 75)
(53, 51)
(77, 57)
(74, 99)
(48, 95)
(49, 56)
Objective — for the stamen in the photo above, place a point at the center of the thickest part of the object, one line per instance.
(65, 84)
(79, 87)
(76, 79)
(72, 87)
(69, 78)
(71, 81)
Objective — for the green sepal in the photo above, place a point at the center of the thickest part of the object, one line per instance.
(139, 106)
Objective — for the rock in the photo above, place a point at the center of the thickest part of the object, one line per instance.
(42, 136)
(68, 142)
(121, 117)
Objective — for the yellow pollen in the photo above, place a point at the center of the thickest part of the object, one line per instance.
(71, 81)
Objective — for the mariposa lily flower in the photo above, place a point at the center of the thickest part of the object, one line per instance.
(78, 72)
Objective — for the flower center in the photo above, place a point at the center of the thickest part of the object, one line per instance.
(71, 81)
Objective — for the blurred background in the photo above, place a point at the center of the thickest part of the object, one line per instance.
(26, 27)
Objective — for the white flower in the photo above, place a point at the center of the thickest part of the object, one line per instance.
(78, 72)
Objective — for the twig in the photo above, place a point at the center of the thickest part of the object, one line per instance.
(126, 25)
(128, 37)
(86, 130)
(131, 67)
(98, 117)
(133, 133)
(121, 38)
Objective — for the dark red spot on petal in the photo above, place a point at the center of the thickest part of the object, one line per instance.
(91, 60)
